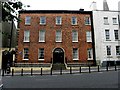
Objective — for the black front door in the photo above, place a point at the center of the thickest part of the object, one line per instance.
(58, 56)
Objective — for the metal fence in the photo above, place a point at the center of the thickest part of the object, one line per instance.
(61, 71)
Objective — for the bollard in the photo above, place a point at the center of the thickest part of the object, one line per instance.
(31, 71)
(115, 68)
(22, 72)
(70, 70)
(3, 72)
(12, 72)
(51, 71)
(89, 70)
(41, 71)
(106, 67)
(98, 68)
(80, 69)
(61, 71)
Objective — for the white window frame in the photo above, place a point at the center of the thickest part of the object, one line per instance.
(74, 37)
(108, 50)
(42, 18)
(58, 20)
(115, 21)
(27, 20)
(106, 22)
(116, 35)
(40, 53)
(74, 19)
(88, 36)
(42, 36)
(25, 36)
(58, 38)
(107, 34)
(24, 54)
(118, 54)
(90, 51)
(87, 20)
(77, 57)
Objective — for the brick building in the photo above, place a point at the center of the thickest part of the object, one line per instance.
(55, 36)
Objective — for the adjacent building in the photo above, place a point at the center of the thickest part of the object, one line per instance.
(107, 35)
(56, 36)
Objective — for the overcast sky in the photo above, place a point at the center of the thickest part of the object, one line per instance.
(68, 4)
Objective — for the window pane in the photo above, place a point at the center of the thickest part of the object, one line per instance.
(88, 36)
(58, 36)
(41, 53)
(114, 20)
(26, 53)
(117, 50)
(42, 20)
(58, 20)
(105, 20)
(74, 36)
(87, 21)
(107, 34)
(90, 53)
(75, 53)
(26, 36)
(108, 50)
(27, 20)
(116, 34)
(42, 36)
(74, 21)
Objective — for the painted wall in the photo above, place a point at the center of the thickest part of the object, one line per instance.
(100, 39)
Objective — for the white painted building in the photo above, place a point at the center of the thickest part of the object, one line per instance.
(107, 36)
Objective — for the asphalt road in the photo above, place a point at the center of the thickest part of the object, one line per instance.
(84, 80)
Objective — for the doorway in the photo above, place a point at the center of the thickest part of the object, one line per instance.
(58, 56)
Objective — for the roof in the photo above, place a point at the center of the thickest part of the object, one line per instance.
(56, 11)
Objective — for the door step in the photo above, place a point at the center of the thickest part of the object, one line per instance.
(58, 66)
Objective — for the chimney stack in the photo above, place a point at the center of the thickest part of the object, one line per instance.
(93, 6)
(105, 5)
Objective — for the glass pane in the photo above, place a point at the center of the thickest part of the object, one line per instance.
(42, 35)
(74, 36)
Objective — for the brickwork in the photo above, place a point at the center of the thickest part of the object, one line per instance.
(50, 28)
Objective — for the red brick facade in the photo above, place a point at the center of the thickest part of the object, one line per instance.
(50, 32)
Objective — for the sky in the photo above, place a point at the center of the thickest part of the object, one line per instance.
(67, 4)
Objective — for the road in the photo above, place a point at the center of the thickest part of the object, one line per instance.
(84, 80)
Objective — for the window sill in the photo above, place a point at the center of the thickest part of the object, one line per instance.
(41, 59)
(87, 24)
(115, 23)
(109, 56)
(108, 40)
(89, 41)
(42, 24)
(75, 59)
(58, 24)
(27, 24)
(25, 59)
(26, 41)
(106, 23)
(58, 41)
(90, 59)
(74, 24)
(41, 41)
(75, 41)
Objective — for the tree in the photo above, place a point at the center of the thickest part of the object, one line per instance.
(9, 14)
(9, 9)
